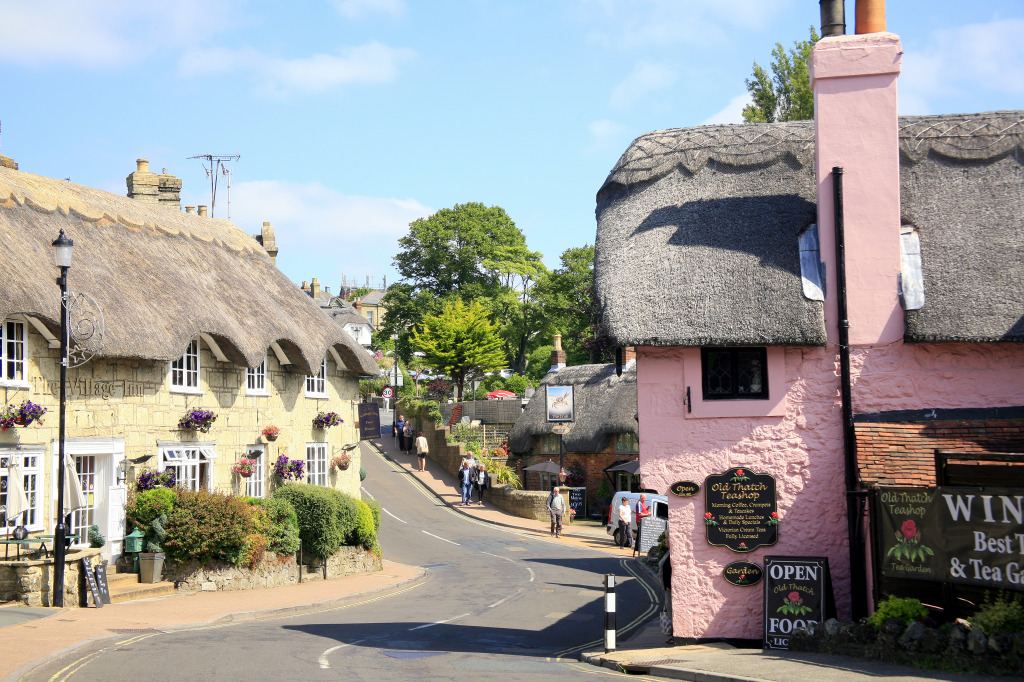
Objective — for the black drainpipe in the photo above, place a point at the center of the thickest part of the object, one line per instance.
(854, 497)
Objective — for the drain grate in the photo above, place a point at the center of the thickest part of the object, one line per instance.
(131, 631)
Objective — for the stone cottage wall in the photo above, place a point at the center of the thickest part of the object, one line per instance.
(31, 581)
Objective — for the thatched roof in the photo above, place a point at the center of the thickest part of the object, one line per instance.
(697, 233)
(603, 403)
(160, 276)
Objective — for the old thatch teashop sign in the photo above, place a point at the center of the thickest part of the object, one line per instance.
(797, 591)
(973, 536)
(740, 510)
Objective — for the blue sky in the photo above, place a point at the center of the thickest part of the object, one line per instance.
(355, 117)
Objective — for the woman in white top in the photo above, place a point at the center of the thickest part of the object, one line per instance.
(625, 516)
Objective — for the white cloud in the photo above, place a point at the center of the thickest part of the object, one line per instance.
(103, 33)
(369, 63)
(646, 78)
(353, 9)
(323, 233)
(605, 129)
(731, 113)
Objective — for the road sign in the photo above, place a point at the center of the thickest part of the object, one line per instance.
(560, 429)
(387, 392)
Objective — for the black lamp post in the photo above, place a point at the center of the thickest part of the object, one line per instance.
(62, 257)
(394, 405)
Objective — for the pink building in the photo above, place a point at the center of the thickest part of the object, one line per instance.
(716, 258)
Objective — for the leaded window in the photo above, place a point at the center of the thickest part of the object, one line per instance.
(735, 373)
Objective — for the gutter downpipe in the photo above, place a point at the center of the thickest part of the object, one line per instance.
(854, 497)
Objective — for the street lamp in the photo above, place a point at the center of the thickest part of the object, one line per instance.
(394, 406)
(62, 258)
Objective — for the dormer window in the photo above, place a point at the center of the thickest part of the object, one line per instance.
(185, 370)
(734, 373)
(316, 386)
(256, 379)
(12, 353)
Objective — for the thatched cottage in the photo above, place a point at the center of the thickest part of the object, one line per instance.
(194, 315)
(716, 257)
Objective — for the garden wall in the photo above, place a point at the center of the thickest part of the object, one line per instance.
(31, 581)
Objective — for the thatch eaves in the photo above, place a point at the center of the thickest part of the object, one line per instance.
(604, 404)
(161, 277)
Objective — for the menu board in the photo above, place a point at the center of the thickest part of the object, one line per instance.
(740, 510)
(797, 591)
(578, 501)
(101, 583)
(369, 421)
(90, 577)
(652, 527)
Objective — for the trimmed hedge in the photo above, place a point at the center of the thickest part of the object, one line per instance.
(329, 518)
(283, 531)
(204, 526)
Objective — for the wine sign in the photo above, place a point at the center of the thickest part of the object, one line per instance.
(685, 488)
(740, 510)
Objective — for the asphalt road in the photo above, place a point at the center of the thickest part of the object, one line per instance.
(493, 602)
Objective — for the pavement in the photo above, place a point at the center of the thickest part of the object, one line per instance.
(29, 636)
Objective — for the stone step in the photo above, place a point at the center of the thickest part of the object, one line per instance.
(123, 591)
(122, 579)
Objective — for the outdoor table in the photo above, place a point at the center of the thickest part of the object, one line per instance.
(8, 542)
(43, 538)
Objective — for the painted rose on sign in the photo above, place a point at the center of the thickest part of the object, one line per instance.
(908, 544)
(794, 605)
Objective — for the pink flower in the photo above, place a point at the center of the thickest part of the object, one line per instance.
(794, 596)
(909, 529)
(707, 515)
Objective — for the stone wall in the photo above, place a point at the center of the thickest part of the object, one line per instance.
(31, 581)
(272, 571)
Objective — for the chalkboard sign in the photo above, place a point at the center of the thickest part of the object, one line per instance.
(652, 527)
(797, 591)
(91, 578)
(740, 510)
(369, 421)
(578, 501)
(101, 582)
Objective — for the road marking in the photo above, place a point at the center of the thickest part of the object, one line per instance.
(516, 549)
(367, 493)
(498, 603)
(430, 625)
(441, 538)
(496, 556)
(81, 663)
(324, 663)
(384, 509)
(556, 615)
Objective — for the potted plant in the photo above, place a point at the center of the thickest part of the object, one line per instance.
(271, 433)
(342, 461)
(197, 420)
(287, 469)
(23, 415)
(245, 467)
(325, 420)
(151, 561)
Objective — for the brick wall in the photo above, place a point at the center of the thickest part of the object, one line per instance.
(904, 453)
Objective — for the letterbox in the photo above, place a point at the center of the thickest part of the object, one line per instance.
(133, 541)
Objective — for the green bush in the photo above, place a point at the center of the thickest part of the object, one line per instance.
(501, 472)
(208, 526)
(905, 610)
(1005, 614)
(283, 531)
(362, 473)
(328, 518)
(375, 508)
(145, 506)
(364, 531)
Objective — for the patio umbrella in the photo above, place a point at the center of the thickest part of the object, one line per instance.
(500, 393)
(631, 467)
(74, 498)
(546, 467)
(17, 501)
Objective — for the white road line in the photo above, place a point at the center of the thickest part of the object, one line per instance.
(497, 556)
(441, 538)
(324, 663)
(367, 493)
(384, 509)
(430, 625)
(498, 603)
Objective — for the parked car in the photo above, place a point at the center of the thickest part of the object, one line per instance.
(654, 500)
(506, 373)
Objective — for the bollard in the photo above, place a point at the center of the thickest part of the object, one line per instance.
(609, 613)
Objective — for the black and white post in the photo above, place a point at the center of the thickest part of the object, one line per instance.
(609, 613)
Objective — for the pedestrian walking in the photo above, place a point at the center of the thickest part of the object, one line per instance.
(400, 431)
(466, 483)
(625, 516)
(481, 482)
(556, 507)
(408, 436)
(421, 450)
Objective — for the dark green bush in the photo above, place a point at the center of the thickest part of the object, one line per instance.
(1004, 614)
(362, 473)
(906, 610)
(283, 531)
(144, 506)
(206, 526)
(328, 518)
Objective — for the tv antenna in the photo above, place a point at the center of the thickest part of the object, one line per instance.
(216, 168)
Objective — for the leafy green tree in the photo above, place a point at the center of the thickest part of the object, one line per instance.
(461, 342)
(785, 95)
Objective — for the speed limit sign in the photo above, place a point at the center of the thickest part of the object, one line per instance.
(387, 392)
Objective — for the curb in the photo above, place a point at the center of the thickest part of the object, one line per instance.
(667, 671)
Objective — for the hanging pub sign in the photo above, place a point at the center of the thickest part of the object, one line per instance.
(559, 403)
(743, 573)
(369, 421)
(685, 488)
(973, 536)
(740, 510)
(797, 591)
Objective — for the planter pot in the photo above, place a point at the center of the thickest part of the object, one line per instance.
(271, 438)
(151, 567)
(23, 421)
(244, 475)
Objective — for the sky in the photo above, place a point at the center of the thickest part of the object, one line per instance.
(353, 118)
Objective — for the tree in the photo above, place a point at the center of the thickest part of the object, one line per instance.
(786, 95)
(461, 342)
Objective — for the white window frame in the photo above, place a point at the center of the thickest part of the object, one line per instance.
(316, 386)
(317, 466)
(255, 485)
(184, 372)
(12, 367)
(31, 461)
(369, 316)
(192, 461)
(256, 379)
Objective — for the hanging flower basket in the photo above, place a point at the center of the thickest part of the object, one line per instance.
(245, 467)
(271, 433)
(152, 479)
(197, 420)
(325, 420)
(342, 461)
(23, 415)
(287, 469)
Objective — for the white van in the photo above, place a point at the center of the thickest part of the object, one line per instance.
(659, 508)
